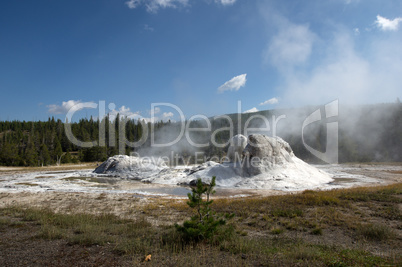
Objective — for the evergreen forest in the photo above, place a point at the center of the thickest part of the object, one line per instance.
(369, 133)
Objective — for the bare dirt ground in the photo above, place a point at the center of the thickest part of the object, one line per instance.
(23, 249)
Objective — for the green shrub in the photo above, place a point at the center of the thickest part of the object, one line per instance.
(205, 224)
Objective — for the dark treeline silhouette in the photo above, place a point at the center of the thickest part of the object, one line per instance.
(366, 133)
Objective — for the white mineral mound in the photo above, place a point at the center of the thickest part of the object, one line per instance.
(132, 167)
(269, 163)
(265, 163)
(236, 146)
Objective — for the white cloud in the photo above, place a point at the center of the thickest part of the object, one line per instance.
(167, 115)
(226, 2)
(334, 65)
(164, 117)
(254, 109)
(271, 101)
(233, 84)
(156, 110)
(356, 31)
(133, 3)
(344, 73)
(387, 24)
(64, 108)
(153, 6)
(124, 111)
(292, 46)
(148, 28)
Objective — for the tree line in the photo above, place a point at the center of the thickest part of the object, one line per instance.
(41, 143)
(366, 133)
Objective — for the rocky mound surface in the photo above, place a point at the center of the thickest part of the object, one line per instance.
(132, 167)
(264, 153)
(264, 162)
(236, 146)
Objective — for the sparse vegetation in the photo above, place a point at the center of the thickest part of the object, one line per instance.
(375, 232)
(326, 228)
(317, 231)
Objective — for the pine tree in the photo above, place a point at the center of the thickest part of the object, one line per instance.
(44, 155)
(204, 225)
(31, 156)
(67, 158)
(8, 154)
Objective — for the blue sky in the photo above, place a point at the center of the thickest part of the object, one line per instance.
(202, 56)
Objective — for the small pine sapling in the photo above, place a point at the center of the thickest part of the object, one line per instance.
(205, 223)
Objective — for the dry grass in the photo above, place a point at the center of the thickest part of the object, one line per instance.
(62, 167)
(349, 227)
(27, 184)
(375, 232)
